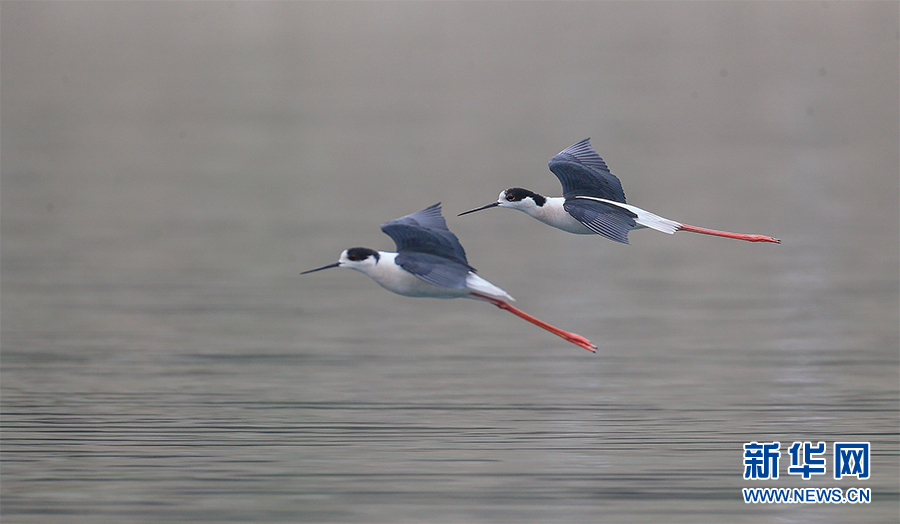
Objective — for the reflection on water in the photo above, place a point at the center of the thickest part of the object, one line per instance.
(162, 359)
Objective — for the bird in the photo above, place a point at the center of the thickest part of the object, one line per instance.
(431, 262)
(593, 202)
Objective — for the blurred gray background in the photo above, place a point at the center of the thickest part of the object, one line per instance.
(168, 169)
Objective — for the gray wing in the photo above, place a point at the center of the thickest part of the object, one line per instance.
(425, 232)
(608, 220)
(582, 172)
(435, 269)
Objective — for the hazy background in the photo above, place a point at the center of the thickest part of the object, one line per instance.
(168, 169)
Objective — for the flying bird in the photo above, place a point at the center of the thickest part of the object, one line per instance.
(593, 202)
(430, 262)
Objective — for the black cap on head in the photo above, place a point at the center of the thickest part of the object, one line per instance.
(361, 253)
(517, 194)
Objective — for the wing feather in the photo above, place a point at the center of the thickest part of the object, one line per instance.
(582, 172)
(608, 220)
(425, 232)
(435, 269)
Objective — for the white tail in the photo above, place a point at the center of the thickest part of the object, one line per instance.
(646, 218)
(476, 283)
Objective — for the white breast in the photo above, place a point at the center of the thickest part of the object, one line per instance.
(553, 214)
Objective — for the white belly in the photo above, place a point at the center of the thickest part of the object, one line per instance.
(409, 285)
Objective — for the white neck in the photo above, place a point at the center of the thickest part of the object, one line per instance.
(384, 270)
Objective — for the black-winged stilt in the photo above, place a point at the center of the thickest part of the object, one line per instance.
(593, 202)
(430, 262)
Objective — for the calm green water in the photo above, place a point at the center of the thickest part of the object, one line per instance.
(169, 169)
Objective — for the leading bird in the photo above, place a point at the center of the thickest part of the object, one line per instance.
(593, 202)
(430, 262)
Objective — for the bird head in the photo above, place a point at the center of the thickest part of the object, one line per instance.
(514, 198)
(358, 258)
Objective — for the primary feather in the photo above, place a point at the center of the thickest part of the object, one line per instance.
(425, 232)
(582, 172)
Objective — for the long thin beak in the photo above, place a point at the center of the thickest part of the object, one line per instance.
(336, 264)
(492, 204)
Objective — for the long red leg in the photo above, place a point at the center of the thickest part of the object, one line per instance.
(739, 236)
(578, 340)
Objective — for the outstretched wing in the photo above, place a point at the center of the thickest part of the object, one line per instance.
(425, 232)
(582, 172)
(435, 269)
(608, 220)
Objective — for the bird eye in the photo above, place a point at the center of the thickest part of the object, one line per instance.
(510, 196)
